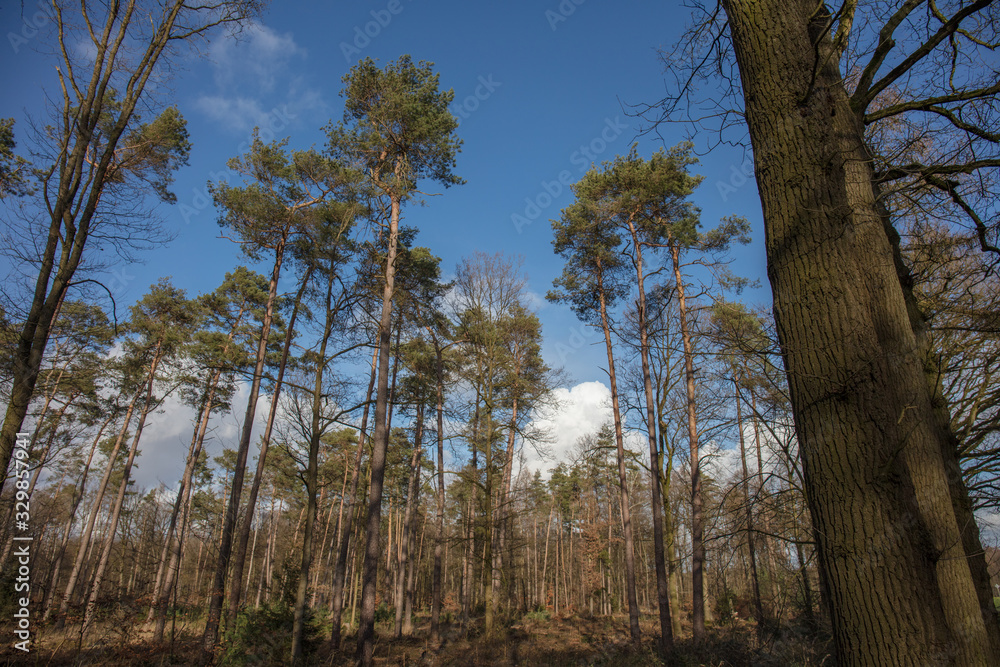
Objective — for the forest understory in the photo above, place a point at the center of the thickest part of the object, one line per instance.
(536, 638)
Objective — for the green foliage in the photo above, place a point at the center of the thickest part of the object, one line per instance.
(397, 126)
(263, 636)
(539, 614)
(286, 193)
(12, 167)
(384, 614)
(163, 320)
(153, 151)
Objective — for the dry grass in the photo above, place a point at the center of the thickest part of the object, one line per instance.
(531, 640)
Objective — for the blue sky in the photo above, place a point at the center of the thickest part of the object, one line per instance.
(541, 89)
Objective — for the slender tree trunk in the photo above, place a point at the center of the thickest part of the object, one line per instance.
(413, 561)
(340, 572)
(545, 558)
(380, 443)
(406, 536)
(161, 590)
(698, 611)
(504, 497)
(184, 496)
(758, 607)
(109, 541)
(625, 505)
(312, 472)
(489, 601)
(81, 489)
(662, 591)
(87, 534)
(438, 581)
(211, 636)
(243, 535)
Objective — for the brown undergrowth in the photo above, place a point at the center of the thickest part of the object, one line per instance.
(535, 639)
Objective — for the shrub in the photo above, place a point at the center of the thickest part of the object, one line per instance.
(263, 636)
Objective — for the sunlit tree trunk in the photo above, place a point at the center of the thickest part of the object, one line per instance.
(243, 535)
(102, 563)
(624, 503)
(662, 591)
(347, 532)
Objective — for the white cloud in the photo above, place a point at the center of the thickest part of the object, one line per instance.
(256, 83)
(239, 113)
(167, 435)
(578, 411)
(258, 57)
(536, 301)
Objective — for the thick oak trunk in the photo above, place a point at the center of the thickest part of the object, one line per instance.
(890, 543)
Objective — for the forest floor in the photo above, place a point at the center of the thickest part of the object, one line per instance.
(531, 640)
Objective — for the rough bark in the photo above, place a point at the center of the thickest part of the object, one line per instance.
(890, 542)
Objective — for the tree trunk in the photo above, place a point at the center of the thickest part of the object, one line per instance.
(109, 541)
(243, 535)
(81, 489)
(380, 443)
(625, 504)
(406, 537)
(438, 582)
(88, 532)
(312, 471)
(697, 520)
(211, 636)
(871, 443)
(346, 533)
(184, 495)
(662, 591)
(758, 607)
